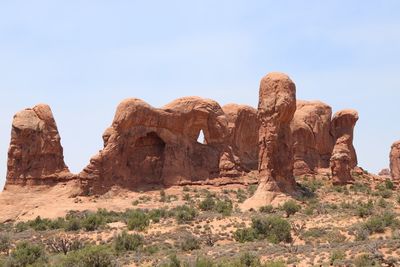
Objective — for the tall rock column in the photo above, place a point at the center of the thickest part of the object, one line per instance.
(395, 161)
(344, 157)
(35, 155)
(276, 108)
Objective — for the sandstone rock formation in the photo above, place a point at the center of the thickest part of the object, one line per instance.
(344, 157)
(146, 145)
(312, 138)
(384, 172)
(243, 133)
(35, 155)
(276, 108)
(395, 161)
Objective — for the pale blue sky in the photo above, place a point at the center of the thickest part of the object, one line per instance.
(83, 57)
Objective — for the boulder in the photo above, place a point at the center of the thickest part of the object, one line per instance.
(35, 155)
(344, 157)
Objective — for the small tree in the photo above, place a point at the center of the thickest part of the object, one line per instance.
(290, 207)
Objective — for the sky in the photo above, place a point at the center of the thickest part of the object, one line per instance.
(84, 57)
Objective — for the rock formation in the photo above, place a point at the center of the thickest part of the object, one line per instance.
(344, 157)
(146, 145)
(243, 133)
(384, 173)
(276, 108)
(35, 155)
(395, 161)
(312, 138)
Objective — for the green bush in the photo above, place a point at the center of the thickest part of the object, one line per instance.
(184, 214)
(290, 207)
(224, 207)
(273, 228)
(73, 224)
(26, 254)
(92, 222)
(337, 255)
(207, 204)
(157, 214)
(241, 195)
(365, 260)
(364, 209)
(189, 243)
(389, 184)
(128, 242)
(96, 256)
(250, 260)
(244, 235)
(5, 243)
(375, 225)
(137, 220)
(267, 209)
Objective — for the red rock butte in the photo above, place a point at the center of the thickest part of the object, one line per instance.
(145, 145)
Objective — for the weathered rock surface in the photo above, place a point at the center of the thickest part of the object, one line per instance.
(146, 145)
(384, 172)
(344, 157)
(276, 108)
(312, 138)
(395, 161)
(35, 155)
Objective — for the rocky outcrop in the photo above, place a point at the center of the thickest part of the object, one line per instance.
(384, 173)
(344, 157)
(243, 133)
(35, 155)
(312, 138)
(146, 145)
(395, 161)
(276, 108)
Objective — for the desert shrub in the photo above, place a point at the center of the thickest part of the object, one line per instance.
(365, 260)
(361, 233)
(382, 203)
(173, 261)
(290, 207)
(5, 243)
(386, 193)
(273, 228)
(207, 204)
(26, 254)
(137, 220)
(314, 233)
(184, 214)
(99, 256)
(163, 196)
(267, 209)
(189, 243)
(157, 214)
(241, 195)
(360, 187)
(389, 184)
(375, 225)
(186, 188)
(186, 197)
(128, 242)
(58, 223)
(73, 224)
(248, 259)
(251, 189)
(244, 235)
(21, 227)
(203, 262)
(335, 236)
(364, 209)
(337, 255)
(92, 222)
(224, 207)
(39, 224)
(378, 223)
